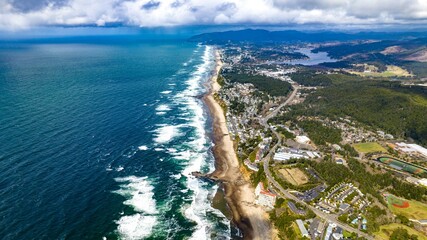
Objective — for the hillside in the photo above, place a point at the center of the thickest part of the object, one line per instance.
(259, 35)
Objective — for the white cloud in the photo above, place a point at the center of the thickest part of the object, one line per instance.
(19, 14)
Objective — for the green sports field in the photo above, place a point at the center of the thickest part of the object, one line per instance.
(369, 147)
(415, 210)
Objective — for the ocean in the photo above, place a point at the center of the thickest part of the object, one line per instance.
(98, 140)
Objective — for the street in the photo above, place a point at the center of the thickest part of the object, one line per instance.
(284, 193)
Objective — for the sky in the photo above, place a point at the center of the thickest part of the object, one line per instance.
(18, 15)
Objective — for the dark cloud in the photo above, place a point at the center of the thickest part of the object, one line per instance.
(178, 3)
(151, 5)
(35, 5)
(21, 14)
(226, 6)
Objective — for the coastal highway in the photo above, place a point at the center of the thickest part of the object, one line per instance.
(286, 194)
(264, 121)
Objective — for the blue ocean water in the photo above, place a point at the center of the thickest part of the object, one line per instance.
(97, 141)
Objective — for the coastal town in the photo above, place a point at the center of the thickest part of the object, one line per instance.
(213, 120)
(309, 173)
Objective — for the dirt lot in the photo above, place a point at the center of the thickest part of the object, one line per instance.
(294, 175)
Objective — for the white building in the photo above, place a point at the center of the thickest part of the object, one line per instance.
(411, 148)
(285, 156)
(302, 228)
(423, 181)
(303, 139)
(264, 197)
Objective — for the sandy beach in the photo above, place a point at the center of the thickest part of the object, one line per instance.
(239, 194)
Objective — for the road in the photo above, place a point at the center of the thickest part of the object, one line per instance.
(328, 217)
(264, 121)
(286, 194)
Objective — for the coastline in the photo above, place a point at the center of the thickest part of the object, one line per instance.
(251, 219)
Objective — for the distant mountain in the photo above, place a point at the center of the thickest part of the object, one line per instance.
(259, 35)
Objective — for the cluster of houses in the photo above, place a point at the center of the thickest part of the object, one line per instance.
(343, 198)
(360, 222)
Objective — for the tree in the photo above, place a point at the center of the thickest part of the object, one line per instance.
(343, 218)
(402, 234)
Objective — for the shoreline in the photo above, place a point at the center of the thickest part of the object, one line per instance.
(252, 220)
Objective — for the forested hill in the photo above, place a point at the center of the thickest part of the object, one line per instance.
(397, 109)
(259, 35)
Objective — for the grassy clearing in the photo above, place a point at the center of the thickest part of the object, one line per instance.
(416, 210)
(294, 176)
(417, 99)
(387, 230)
(392, 71)
(296, 230)
(369, 147)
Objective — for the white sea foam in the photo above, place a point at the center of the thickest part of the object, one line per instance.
(158, 149)
(197, 153)
(143, 148)
(163, 108)
(136, 226)
(171, 150)
(166, 92)
(176, 176)
(139, 194)
(183, 155)
(119, 168)
(166, 133)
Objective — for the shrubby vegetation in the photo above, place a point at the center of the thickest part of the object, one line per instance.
(402, 234)
(259, 177)
(285, 132)
(284, 220)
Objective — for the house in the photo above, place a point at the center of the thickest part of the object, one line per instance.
(251, 166)
(302, 228)
(344, 207)
(264, 197)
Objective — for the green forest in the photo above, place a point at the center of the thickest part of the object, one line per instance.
(395, 108)
(319, 133)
